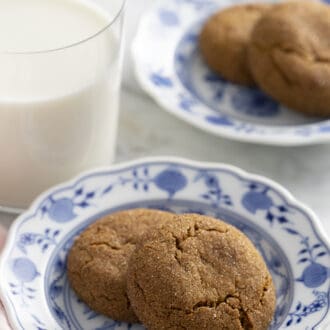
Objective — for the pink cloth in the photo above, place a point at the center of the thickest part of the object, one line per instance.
(3, 318)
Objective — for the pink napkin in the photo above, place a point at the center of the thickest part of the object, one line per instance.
(3, 318)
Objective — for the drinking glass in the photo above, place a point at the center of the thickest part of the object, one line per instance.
(59, 106)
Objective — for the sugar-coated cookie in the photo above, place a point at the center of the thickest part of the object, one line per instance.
(97, 262)
(200, 273)
(289, 55)
(224, 40)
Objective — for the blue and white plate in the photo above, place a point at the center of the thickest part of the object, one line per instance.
(34, 286)
(170, 68)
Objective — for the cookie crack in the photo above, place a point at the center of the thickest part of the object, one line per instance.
(139, 287)
(279, 47)
(244, 319)
(193, 232)
(86, 264)
(314, 58)
(207, 304)
(128, 302)
(211, 304)
(112, 247)
(232, 300)
(106, 298)
(178, 243)
(282, 72)
(265, 289)
(278, 68)
(319, 58)
(150, 304)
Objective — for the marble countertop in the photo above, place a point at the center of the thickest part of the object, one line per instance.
(147, 130)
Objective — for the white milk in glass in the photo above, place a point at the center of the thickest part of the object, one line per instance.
(58, 103)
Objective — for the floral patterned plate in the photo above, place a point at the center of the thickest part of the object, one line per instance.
(34, 286)
(170, 68)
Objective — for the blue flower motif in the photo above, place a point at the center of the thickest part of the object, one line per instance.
(219, 120)
(255, 103)
(27, 239)
(168, 17)
(160, 80)
(61, 210)
(171, 180)
(44, 240)
(187, 102)
(198, 4)
(55, 290)
(217, 84)
(212, 181)
(314, 275)
(214, 194)
(191, 38)
(39, 325)
(257, 199)
(24, 270)
(254, 201)
(212, 77)
(325, 129)
(302, 311)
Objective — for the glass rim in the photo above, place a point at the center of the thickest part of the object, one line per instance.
(74, 44)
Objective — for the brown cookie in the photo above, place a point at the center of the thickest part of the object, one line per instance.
(200, 273)
(97, 262)
(289, 55)
(224, 40)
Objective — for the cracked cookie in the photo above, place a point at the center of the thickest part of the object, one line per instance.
(200, 273)
(289, 55)
(97, 262)
(224, 39)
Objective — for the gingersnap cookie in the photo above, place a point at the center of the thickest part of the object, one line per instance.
(224, 39)
(289, 55)
(97, 262)
(200, 273)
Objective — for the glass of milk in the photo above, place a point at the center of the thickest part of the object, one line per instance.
(60, 73)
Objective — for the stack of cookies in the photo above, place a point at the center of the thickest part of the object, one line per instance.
(172, 272)
(283, 48)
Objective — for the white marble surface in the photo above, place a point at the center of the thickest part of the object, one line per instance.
(147, 130)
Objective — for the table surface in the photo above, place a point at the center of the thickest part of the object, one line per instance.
(147, 130)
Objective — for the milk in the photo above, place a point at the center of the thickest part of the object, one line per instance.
(58, 109)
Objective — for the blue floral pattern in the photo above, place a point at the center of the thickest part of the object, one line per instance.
(168, 17)
(255, 103)
(187, 88)
(63, 209)
(214, 194)
(34, 266)
(160, 80)
(25, 272)
(44, 240)
(197, 4)
(301, 311)
(258, 199)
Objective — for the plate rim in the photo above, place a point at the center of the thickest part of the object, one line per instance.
(315, 222)
(274, 139)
